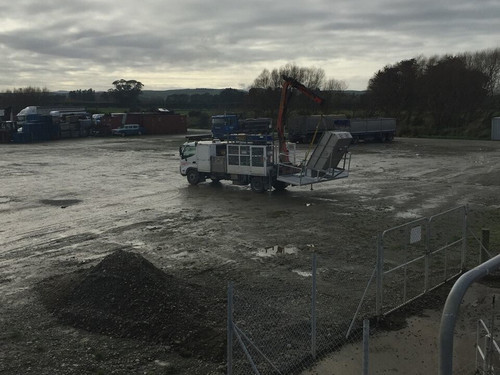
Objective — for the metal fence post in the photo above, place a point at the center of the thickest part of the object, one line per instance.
(380, 270)
(230, 328)
(485, 245)
(366, 346)
(427, 254)
(464, 238)
(313, 308)
(491, 338)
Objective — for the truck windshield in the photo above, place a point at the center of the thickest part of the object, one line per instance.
(218, 122)
(187, 151)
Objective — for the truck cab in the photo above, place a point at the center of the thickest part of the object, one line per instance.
(223, 125)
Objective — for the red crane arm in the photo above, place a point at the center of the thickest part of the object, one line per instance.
(280, 125)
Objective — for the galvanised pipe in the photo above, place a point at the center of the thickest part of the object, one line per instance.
(452, 307)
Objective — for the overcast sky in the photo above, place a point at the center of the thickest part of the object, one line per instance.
(167, 44)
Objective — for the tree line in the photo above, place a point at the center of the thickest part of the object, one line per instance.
(448, 95)
(440, 95)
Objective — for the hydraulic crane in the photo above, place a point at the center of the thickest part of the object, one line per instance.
(288, 83)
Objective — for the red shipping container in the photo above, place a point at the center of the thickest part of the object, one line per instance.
(158, 123)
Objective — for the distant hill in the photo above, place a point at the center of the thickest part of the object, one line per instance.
(149, 94)
(152, 94)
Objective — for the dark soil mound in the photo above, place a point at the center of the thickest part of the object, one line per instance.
(127, 296)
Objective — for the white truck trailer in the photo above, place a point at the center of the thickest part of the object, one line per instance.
(260, 163)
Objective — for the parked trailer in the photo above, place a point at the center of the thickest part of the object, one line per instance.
(49, 123)
(304, 129)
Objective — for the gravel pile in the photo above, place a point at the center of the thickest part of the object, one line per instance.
(125, 295)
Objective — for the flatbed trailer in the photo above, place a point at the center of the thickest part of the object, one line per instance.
(304, 129)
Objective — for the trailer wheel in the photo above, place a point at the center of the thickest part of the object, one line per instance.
(257, 184)
(193, 176)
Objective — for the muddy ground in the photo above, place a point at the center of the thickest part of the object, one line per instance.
(69, 206)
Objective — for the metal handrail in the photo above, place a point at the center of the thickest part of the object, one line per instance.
(451, 310)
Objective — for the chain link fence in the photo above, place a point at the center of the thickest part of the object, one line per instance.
(419, 256)
(271, 332)
(276, 333)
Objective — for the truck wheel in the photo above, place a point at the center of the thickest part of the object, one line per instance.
(193, 176)
(279, 185)
(257, 184)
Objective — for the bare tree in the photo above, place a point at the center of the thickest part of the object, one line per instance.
(23, 97)
(313, 78)
(488, 63)
(335, 85)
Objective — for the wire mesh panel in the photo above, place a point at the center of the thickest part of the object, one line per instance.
(272, 331)
(416, 257)
(285, 333)
(341, 307)
(446, 245)
(402, 259)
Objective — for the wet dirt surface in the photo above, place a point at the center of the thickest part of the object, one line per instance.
(67, 205)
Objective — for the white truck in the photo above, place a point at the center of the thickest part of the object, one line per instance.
(262, 165)
(256, 160)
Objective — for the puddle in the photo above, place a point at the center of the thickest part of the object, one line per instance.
(138, 244)
(179, 255)
(303, 273)
(276, 249)
(408, 215)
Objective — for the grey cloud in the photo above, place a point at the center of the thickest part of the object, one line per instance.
(212, 37)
